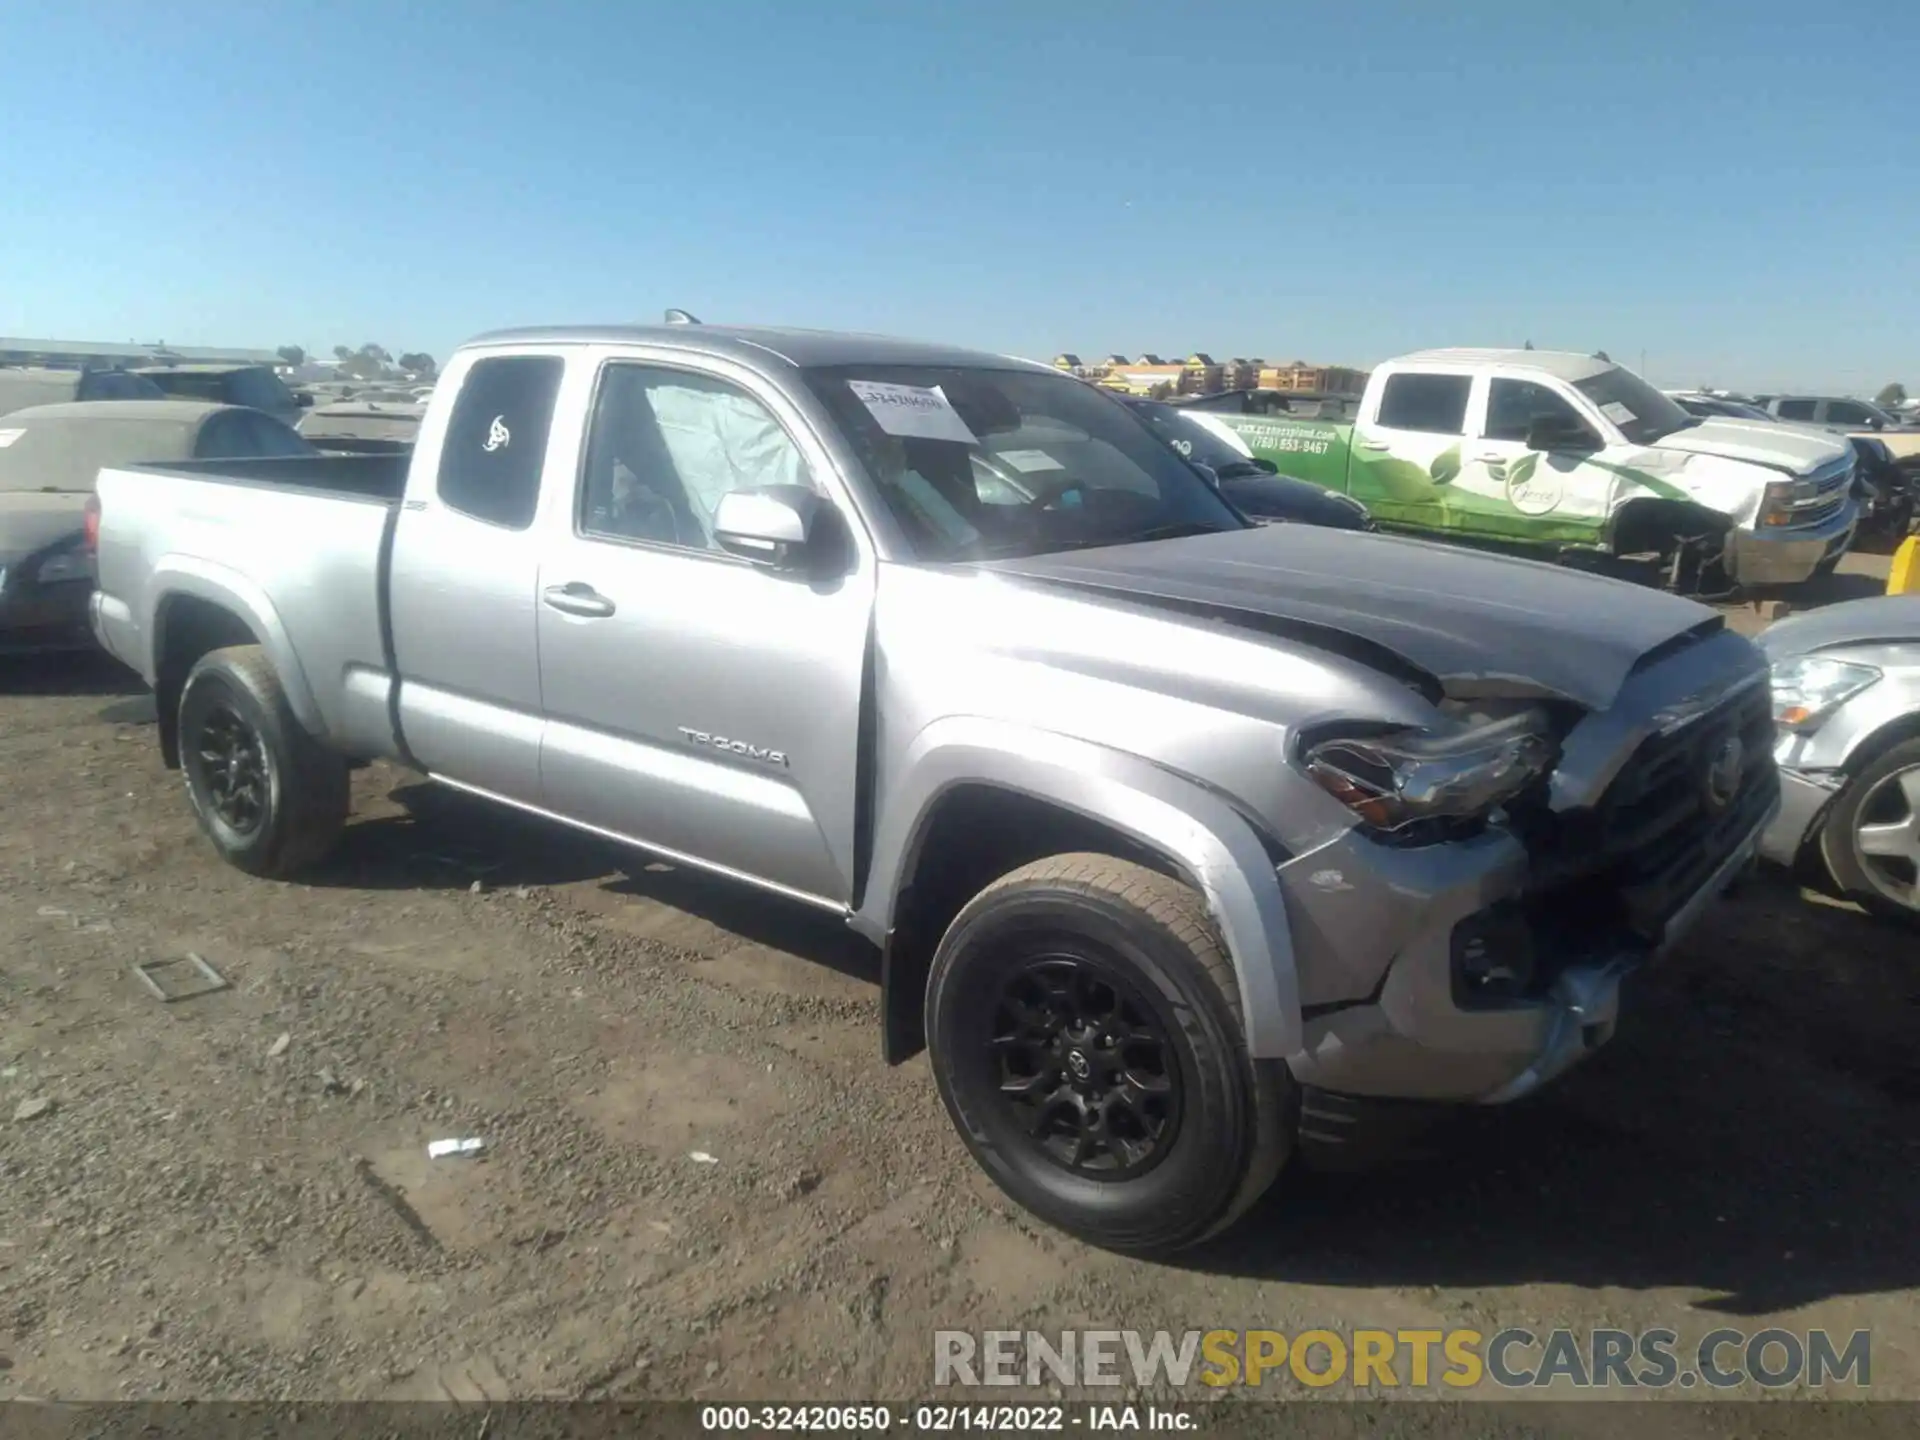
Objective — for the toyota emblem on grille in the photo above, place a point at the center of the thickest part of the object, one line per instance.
(1723, 773)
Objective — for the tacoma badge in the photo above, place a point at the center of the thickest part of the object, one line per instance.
(734, 747)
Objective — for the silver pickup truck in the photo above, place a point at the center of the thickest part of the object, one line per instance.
(1179, 837)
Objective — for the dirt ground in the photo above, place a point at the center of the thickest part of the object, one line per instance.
(229, 1196)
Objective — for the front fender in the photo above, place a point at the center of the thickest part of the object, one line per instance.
(187, 575)
(1215, 848)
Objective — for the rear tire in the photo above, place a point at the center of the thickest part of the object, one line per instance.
(1085, 1030)
(268, 795)
(1876, 814)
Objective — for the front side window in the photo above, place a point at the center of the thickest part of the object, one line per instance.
(1852, 412)
(976, 463)
(118, 385)
(496, 443)
(1428, 404)
(1513, 407)
(261, 389)
(666, 445)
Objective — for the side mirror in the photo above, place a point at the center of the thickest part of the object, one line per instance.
(1547, 432)
(303, 400)
(771, 525)
(1265, 467)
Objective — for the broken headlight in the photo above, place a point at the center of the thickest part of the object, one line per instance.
(1397, 779)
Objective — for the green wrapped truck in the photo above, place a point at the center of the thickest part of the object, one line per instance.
(1574, 456)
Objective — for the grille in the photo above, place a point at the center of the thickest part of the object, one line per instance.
(1657, 834)
(1820, 513)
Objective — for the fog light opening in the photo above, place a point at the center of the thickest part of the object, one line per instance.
(1493, 960)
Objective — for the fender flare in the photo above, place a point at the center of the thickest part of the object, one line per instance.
(181, 575)
(1200, 832)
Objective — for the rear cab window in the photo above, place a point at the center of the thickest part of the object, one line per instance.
(496, 443)
(1425, 403)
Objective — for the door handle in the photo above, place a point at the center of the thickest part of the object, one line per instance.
(577, 598)
(1373, 445)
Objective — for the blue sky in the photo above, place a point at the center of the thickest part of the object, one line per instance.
(1733, 190)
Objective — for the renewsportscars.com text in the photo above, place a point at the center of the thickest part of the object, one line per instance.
(1369, 1359)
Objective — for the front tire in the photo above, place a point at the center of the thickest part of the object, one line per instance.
(1085, 1031)
(268, 795)
(1871, 838)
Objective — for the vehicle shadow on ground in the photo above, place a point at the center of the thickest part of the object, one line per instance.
(1751, 1135)
(446, 840)
(800, 930)
(1824, 590)
(79, 672)
(442, 839)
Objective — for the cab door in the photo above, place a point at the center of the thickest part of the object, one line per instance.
(1560, 495)
(697, 703)
(1406, 447)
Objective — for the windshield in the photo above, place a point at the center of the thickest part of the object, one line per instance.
(1640, 412)
(976, 463)
(1194, 440)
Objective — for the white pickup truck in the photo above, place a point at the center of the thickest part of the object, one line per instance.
(1575, 455)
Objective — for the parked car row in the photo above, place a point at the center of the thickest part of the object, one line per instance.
(49, 457)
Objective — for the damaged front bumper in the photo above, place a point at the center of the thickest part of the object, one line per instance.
(1494, 963)
(1418, 1038)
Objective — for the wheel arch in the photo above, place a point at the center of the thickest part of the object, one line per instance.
(201, 609)
(1651, 517)
(979, 798)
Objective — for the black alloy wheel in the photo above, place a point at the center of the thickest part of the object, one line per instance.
(1084, 1025)
(233, 769)
(1085, 1064)
(267, 793)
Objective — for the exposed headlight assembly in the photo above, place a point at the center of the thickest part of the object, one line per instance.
(1808, 689)
(1396, 780)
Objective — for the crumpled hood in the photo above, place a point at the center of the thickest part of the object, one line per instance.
(1761, 443)
(31, 520)
(1483, 625)
(1855, 622)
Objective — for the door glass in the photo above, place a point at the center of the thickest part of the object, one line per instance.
(1431, 404)
(261, 389)
(666, 445)
(1514, 405)
(1795, 409)
(1843, 412)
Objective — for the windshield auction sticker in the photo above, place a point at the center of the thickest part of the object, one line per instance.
(911, 412)
(1029, 462)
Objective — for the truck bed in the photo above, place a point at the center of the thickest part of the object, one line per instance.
(381, 475)
(295, 545)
